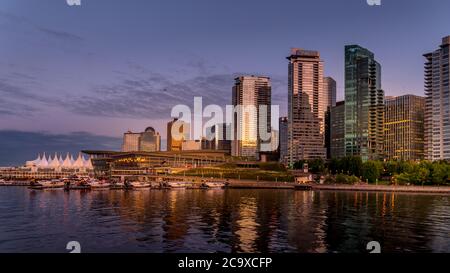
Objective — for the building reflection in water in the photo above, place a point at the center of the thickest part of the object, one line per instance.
(236, 220)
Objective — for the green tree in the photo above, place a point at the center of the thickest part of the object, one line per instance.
(316, 166)
(371, 171)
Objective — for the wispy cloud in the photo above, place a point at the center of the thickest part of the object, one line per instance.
(17, 99)
(153, 96)
(53, 33)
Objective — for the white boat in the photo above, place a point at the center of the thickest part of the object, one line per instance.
(176, 185)
(5, 183)
(213, 185)
(99, 184)
(47, 184)
(138, 185)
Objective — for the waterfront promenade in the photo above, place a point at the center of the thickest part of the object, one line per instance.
(253, 184)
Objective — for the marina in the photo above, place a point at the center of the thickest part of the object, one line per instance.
(173, 183)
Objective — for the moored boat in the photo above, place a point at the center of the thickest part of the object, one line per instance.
(137, 185)
(213, 185)
(6, 183)
(99, 184)
(47, 184)
(175, 185)
(77, 185)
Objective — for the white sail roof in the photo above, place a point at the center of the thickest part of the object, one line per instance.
(88, 164)
(44, 162)
(54, 163)
(79, 163)
(67, 163)
(33, 163)
(60, 159)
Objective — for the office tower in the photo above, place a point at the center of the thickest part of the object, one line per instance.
(307, 104)
(364, 104)
(283, 136)
(404, 128)
(328, 132)
(147, 141)
(437, 103)
(176, 136)
(130, 142)
(337, 130)
(249, 94)
(150, 141)
(329, 85)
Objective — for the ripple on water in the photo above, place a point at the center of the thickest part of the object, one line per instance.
(221, 221)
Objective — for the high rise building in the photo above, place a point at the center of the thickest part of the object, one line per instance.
(130, 142)
(437, 103)
(364, 104)
(150, 141)
(329, 85)
(307, 104)
(147, 141)
(337, 130)
(283, 136)
(404, 128)
(176, 136)
(250, 93)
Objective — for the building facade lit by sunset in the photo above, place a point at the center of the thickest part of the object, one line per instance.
(364, 105)
(404, 128)
(147, 141)
(437, 104)
(249, 93)
(176, 135)
(307, 105)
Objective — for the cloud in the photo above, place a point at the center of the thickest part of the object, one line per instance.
(16, 99)
(152, 97)
(18, 146)
(62, 35)
(141, 93)
(15, 20)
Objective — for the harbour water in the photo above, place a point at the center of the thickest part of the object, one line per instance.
(229, 220)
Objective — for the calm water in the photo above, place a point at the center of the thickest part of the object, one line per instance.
(221, 221)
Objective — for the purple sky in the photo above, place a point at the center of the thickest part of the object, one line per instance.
(113, 65)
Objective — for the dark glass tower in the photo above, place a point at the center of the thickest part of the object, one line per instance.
(364, 104)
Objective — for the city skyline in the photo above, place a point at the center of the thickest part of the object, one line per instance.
(81, 83)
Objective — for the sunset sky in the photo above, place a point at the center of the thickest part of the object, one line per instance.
(76, 78)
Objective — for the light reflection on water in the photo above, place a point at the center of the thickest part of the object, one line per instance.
(222, 221)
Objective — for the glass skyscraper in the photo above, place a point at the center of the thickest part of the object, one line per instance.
(403, 122)
(364, 104)
(249, 93)
(307, 105)
(437, 103)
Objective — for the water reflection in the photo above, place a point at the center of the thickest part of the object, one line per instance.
(222, 221)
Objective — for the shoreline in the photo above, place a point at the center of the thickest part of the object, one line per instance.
(384, 188)
(252, 184)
